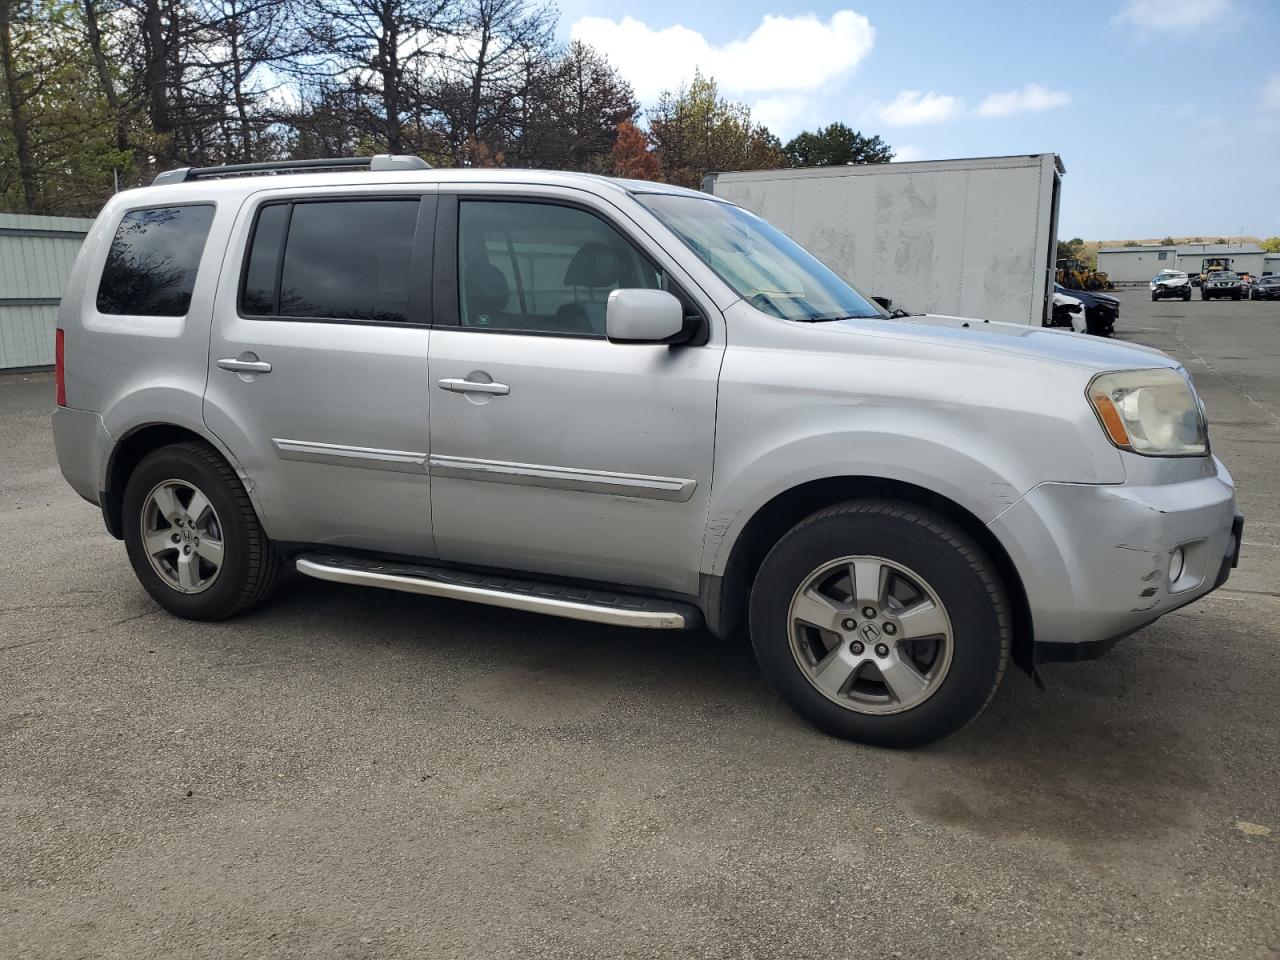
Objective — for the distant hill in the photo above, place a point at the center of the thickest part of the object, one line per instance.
(1218, 238)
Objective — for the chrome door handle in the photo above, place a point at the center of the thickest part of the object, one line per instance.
(244, 366)
(473, 386)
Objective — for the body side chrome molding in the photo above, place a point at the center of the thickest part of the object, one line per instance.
(564, 478)
(310, 451)
(618, 616)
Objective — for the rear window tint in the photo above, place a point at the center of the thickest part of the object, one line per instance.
(259, 296)
(331, 260)
(151, 267)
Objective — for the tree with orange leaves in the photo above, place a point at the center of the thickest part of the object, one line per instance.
(632, 157)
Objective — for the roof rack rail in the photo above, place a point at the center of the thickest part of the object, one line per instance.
(379, 162)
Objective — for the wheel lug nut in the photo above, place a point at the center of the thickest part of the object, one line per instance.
(890, 629)
(186, 549)
(849, 623)
(856, 647)
(175, 538)
(869, 612)
(882, 650)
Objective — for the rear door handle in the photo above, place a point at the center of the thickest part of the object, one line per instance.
(473, 386)
(244, 366)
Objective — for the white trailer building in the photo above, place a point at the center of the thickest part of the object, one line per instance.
(1137, 264)
(973, 238)
(1242, 258)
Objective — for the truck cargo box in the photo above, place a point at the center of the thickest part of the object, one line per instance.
(971, 238)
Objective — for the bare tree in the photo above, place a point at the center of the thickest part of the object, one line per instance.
(572, 114)
(103, 70)
(374, 45)
(246, 54)
(487, 69)
(14, 16)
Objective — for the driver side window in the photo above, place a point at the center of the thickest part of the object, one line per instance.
(542, 268)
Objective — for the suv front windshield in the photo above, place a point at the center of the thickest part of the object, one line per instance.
(763, 266)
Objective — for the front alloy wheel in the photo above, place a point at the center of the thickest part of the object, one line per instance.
(870, 635)
(881, 621)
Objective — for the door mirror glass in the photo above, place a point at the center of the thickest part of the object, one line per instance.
(643, 316)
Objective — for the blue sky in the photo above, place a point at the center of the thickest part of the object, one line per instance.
(1166, 113)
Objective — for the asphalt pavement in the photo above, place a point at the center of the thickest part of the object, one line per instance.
(356, 774)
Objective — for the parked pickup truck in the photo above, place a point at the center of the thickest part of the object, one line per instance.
(625, 403)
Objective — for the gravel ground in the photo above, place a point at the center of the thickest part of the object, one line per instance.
(355, 773)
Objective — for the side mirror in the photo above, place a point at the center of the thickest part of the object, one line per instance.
(643, 316)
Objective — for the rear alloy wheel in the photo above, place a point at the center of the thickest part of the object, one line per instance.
(881, 622)
(193, 537)
(182, 536)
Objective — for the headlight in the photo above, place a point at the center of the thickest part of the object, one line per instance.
(1152, 412)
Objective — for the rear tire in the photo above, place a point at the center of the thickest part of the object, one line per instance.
(926, 564)
(193, 537)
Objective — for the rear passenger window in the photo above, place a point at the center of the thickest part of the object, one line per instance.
(331, 260)
(151, 267)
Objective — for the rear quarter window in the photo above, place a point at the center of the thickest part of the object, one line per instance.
(152, 264)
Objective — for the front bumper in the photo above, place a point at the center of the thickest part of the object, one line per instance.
(1164, 290)
(1095, 559)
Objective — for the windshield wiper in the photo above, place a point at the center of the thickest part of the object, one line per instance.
(854, 316)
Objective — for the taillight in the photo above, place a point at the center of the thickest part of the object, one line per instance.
(59, 368)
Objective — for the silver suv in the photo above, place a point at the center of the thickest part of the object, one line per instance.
(625, 403)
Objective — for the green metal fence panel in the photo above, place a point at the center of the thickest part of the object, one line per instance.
(26, 335)
(36, 254)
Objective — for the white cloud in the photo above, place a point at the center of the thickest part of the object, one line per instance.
(1271, 93)
(1030, 98)
(782, 54)
(1173, 15)
(785, 114)
(912, 107)
(906, 154)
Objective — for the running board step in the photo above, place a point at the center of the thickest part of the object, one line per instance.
(575, 603)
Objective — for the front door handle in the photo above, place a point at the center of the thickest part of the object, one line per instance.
(237, 365)
(473, 386)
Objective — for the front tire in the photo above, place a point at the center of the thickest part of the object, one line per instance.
(193, 537)
(881, 622)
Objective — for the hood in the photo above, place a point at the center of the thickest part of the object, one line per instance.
(1173, 281)
(1011, 340)
(1089, 298)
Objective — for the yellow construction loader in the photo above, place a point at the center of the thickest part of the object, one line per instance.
(1078, 275)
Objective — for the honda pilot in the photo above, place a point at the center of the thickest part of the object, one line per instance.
(624, 403)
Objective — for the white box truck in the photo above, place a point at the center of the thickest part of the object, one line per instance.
(968, 238)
